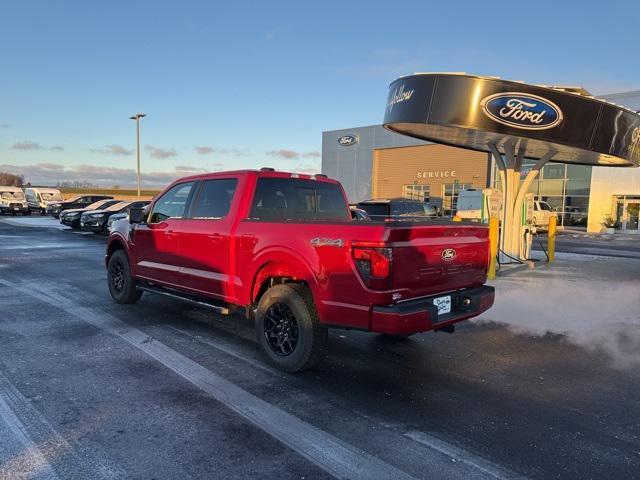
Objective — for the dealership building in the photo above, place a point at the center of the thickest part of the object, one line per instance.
(373, 162)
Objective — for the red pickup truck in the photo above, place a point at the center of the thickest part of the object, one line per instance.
(283, 247)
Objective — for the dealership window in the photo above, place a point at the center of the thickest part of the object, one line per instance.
(450, 193)
(416, 192)
(565, 187)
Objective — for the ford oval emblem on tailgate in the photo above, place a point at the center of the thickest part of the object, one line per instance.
(448, 254)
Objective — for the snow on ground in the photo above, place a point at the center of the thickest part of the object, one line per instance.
(592, 300)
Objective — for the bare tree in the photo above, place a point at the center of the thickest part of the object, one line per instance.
(11, 180)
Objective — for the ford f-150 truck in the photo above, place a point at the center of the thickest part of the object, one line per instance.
(283, 248)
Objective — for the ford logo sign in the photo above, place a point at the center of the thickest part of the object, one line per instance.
(448, 254)
(347, 140)
(522, 110)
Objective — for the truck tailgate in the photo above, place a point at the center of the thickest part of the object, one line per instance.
(430, 259)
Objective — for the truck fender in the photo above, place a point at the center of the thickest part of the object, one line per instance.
(281, 264)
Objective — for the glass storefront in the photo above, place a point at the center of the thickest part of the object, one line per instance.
(627, 208)
(450, 192)
(416, 192)
(565, 188)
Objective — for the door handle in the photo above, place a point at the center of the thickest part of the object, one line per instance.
(169, 233)
(215, 237)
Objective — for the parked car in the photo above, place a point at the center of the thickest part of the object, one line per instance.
(116, 217)
(71, 218)
(282, 248)
(542, 212)
(96, 221)
(38, 199)
(12, 201)
(359, 214)
(81, 201)
(397, 209)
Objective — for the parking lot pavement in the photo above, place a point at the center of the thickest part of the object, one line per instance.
(91, 389)
(36, 221)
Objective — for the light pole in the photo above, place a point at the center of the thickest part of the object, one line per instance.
(137, 118)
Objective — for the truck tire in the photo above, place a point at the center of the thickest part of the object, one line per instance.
(122, 286)
(288, 329)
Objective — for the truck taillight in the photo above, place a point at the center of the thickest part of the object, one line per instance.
(373, 264)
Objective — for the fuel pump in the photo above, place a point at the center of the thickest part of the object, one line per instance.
(491, 204)
(527, 228)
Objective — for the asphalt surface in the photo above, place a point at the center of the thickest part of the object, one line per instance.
(616, 245)
(155, 390)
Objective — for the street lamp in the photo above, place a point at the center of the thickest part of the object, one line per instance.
(137, 118)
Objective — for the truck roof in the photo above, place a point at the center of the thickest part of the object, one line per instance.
(264, 172)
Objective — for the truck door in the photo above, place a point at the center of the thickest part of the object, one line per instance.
(157, 242)
(205, 242)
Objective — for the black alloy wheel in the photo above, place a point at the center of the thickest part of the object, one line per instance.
(288, 329)
(281, 329)
(117, 276)
(122, 286)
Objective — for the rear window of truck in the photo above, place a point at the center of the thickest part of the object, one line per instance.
(298, 199)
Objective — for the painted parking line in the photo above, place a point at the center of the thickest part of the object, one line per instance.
(20, 457)
(328, 452)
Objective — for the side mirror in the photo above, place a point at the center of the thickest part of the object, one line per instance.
(137, 215)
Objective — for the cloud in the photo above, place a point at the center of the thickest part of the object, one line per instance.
(156, 152)
(26, 146)
(52, 173)
(292, 154)
(306, 168)
(57, 148)
(4, 125)
(113, 150)
(189, 168)
(204, 150)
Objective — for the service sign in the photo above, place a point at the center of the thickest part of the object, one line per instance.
(347, 140)
(522, 110)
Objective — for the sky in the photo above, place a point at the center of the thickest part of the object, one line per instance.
(229, 85)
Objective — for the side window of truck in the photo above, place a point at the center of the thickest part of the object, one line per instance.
(172, 204)
(214, 198)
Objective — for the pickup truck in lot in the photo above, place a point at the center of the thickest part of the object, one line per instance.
(282, 247)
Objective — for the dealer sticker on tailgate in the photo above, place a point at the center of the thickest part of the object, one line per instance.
(443, 304)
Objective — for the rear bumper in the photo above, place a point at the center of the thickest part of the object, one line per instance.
(421, 315)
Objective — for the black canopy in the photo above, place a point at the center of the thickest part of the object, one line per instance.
(472, 112)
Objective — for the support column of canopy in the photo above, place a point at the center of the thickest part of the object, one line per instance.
(513, 191)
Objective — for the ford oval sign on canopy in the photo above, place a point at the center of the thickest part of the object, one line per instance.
(474, 112)
(520, 110)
